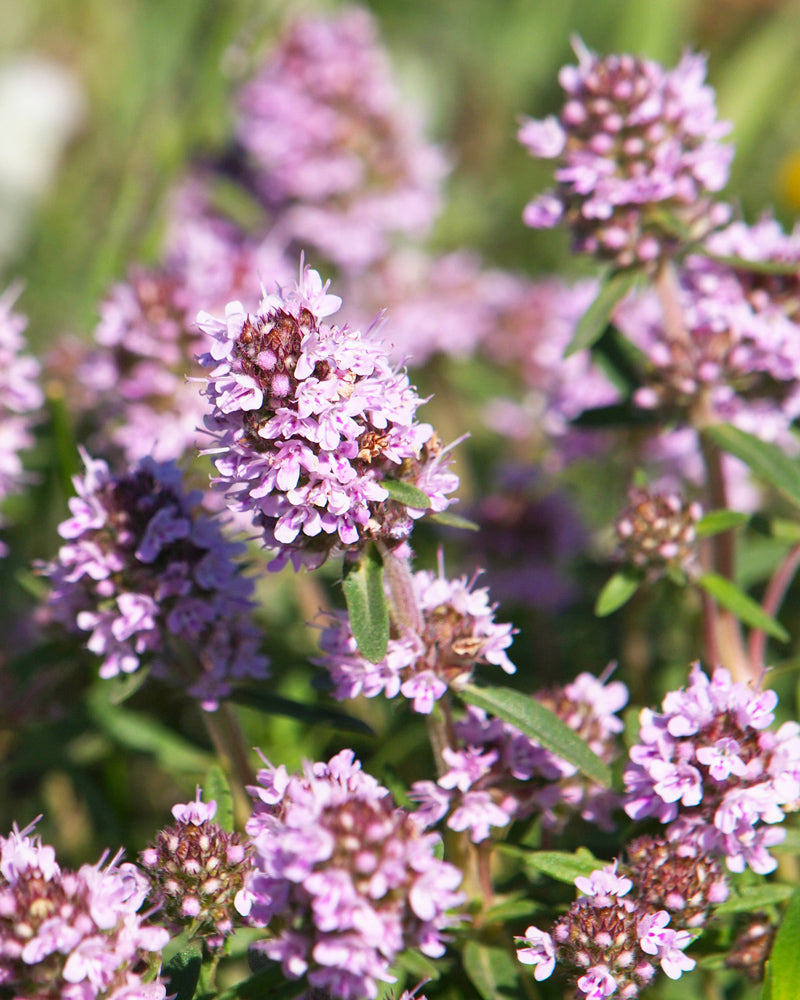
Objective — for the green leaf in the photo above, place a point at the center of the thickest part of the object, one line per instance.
(454, 520)
(269, 983)
(717, 521)
(534, 720)
(406, 494)
(516, 907)
(726, 593)
(755, 897)
(366, 604)
(594, 321)
(144, 734)
(318, 715)
(182, 972)
(618, 590)
(561, 865)
(785, 958)
(493, 971)
(767, 460)
(216, 787)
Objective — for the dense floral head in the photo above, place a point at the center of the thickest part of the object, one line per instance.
(154, 582)
(76, 935)
(609, 941)
(657, 533)
(20, 396)
(497, 775)
(345, 879)
(635, 144)
(455, 632)
(334, 152)
(198, 872)
(708, 766)
(309, 420)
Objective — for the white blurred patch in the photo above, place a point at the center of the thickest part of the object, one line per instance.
(41, 107)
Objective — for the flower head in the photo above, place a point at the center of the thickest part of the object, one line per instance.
(634, 143)
(73, 934)
(143, 572)
(309, 420)
(344, 878)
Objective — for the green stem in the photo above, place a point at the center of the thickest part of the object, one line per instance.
(226, 734)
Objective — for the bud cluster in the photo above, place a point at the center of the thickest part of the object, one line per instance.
(657, 533)
(198, 872)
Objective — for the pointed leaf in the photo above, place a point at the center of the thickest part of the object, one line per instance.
(454, 520)
(406, 493)
(592, 324)
(785, 957)
(318, 715)
(366, 605)
(717, 521)
(617, 591)
(216, 787)
(768, 461)
(539, 723)
(726, 593)
(494, 972)
(561, 865)
(755, 897)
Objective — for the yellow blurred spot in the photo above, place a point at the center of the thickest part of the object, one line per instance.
(788, 180)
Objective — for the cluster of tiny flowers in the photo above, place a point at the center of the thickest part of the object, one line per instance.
(708, 766)
(154, 582)
(497, 774)
(609, 941)
(657, 533)
(20, 396)
(677, 877)
(333, 151)
(73, 935)
(309, 418)
(344, 879)
(635, 144)
(198, 872)
(456, 631)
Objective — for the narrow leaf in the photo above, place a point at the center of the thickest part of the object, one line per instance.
(726, 593)
(596, 318)
(318, 715)
(366, 605)
(406, 493)
(785, 958)
(539, 723)
(493, 971)
(755, 897)
(269, 983)
(216, 787)
(561, 865)
(717, 521)
(454, 520)
(617, 591)
(768, 461)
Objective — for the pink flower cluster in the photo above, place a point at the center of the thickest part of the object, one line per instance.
(198, 873)
(334, 153)
(309, 419)
(455, 631)
(74, 935)
(20, 396)
(635, 144)
(143, 573)
(497, 774)
(345, 880)
(610, 942)
(708, 766)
